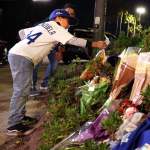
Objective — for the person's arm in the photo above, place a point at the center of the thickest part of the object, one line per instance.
(63, 36)
(86, 43)
(77, 42)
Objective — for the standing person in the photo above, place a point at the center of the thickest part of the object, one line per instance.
(53, 59)
(28, 52)
(53, 62)
(72, 52)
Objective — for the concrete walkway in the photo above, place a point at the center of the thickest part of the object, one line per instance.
(34, 108)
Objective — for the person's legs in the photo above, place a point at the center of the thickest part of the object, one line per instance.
(54, 64)
(49, 70)
(46, 77)
(21, 70)
(35, 76)
(34, 91)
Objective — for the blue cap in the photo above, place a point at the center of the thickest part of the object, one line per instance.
(62, 13)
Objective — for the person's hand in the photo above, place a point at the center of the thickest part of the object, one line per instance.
(59, 53)
(58, 56)
(61, 49)
(99, 44)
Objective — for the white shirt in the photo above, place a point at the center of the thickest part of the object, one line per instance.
(40, 41)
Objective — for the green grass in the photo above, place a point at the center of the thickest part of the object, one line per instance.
(64, 111)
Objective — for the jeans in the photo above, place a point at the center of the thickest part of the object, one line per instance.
(49, 70)
(21, 70)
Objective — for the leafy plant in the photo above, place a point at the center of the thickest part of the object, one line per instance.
(146, 95)
(123, 42)
(147, 43)
(144, 107)
(90, 98)
(112, 123)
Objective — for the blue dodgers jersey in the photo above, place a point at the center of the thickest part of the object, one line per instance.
(137, 138)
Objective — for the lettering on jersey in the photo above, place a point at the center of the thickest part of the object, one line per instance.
(48, 28)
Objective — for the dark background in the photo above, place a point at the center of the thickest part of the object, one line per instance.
(17, 14)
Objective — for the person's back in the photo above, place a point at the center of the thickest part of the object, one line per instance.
(40, 41)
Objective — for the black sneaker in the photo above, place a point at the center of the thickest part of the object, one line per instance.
(29, 120)
(19, 130)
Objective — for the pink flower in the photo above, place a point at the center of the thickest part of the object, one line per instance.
(129, 112)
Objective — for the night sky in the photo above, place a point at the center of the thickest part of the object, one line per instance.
(16, 14)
